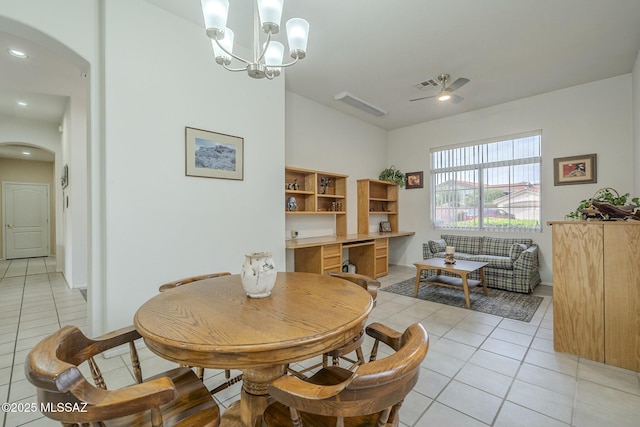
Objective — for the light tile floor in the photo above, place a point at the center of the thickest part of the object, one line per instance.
(481, 370)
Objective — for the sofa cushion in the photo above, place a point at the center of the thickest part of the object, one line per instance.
(437, 245)
(516, 250)
(501, 262)
(467, 244)
(501, 246)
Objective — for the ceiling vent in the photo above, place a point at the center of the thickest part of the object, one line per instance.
(354, 101)
(427, 84)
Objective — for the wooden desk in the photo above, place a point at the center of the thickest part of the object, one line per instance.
(213, 324)
(369, 252)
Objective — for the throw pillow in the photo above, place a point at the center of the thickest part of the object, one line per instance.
(437, 245)
(516, 250)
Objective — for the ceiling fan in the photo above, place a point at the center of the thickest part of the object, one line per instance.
(446, 92)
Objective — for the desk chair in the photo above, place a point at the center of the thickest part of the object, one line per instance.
(200, 370)
(175, 398)
(370, 395)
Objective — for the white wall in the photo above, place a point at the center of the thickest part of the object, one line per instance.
(149, 223)
(590, 118)
(73, 200)
(320, 138)
(160, 224)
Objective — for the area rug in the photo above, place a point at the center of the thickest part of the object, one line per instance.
(511, 305)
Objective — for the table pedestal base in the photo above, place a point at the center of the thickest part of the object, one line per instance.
(254, 398)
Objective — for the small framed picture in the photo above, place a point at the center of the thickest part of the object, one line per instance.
(213, 155)
(414, 180)
(65, 176)
(385, 226)
(575, 170)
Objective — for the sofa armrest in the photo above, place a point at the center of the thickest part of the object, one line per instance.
(426, 251)
(528, 259)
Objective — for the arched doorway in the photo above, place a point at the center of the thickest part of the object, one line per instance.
(52, 82)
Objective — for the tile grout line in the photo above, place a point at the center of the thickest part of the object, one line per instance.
(24, 288)
(15, 341)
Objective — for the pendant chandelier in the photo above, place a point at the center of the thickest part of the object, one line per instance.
(267, 57)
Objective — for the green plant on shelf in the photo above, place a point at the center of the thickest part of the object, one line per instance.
(393, 175)
(603, 196)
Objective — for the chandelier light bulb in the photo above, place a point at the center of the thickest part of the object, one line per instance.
(298, 35)
(226, 42)
(215, 17)
(273, 55)
(270, 12)
(267, 59)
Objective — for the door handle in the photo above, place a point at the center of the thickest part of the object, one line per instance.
(9, 225)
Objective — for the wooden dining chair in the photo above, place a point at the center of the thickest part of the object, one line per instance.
(365, 282)
(228, 380)
(371, 395)
(343, 353)
(172, 398)
(370, 285)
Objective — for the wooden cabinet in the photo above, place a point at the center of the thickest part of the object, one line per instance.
(315, 192)
(377, 201)
(382, 257)
(319, 259)
(596, 291)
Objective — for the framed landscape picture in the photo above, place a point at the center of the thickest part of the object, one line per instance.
(414, 180)
(575, 170)
(213, 155)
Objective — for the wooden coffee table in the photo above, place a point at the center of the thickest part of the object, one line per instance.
(460, 268)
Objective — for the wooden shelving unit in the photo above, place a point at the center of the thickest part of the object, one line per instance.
(377, 198)
(317, 193)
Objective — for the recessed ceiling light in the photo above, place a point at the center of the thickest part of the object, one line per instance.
(26, 153)
(17, 53)
(22, 104)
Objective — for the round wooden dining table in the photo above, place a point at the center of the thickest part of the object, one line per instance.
(213, 324)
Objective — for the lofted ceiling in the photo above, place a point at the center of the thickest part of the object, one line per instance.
(509, 49)
(379, 51)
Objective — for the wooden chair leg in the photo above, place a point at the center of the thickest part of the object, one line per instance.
(228, 383)
(135, 362)
(295, 417)
(384, 417)
(200, 373)
(96, 374)
(374, 351)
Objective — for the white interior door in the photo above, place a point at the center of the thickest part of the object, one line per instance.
(26, 220)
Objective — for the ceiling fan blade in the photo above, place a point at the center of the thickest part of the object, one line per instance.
(455, 99)
(458, 84)
(424, 97)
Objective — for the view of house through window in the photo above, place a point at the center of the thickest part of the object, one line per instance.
(489, 185)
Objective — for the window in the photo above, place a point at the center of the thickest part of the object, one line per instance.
(493, 185)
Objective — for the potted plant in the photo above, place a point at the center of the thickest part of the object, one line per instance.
(393, 175)
(606, 203)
